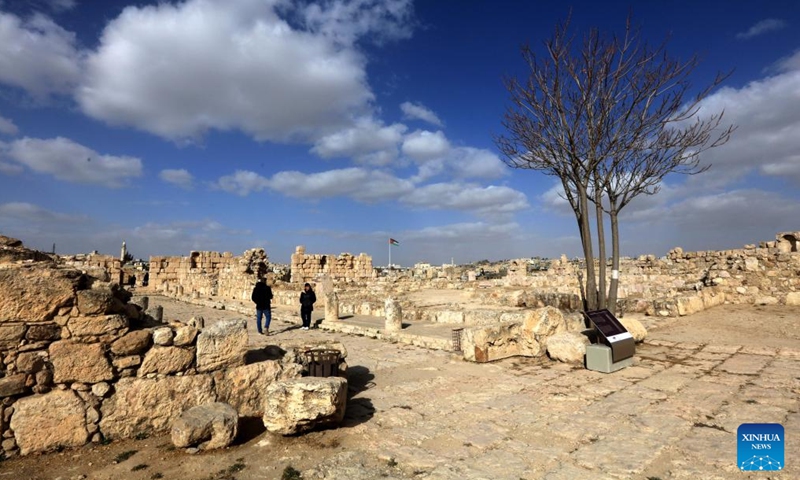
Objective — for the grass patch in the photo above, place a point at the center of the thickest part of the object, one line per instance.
(125, 455)
(141, 466)
(290, 473)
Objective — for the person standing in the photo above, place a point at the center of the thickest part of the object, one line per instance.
(262, 297)
(307, 299)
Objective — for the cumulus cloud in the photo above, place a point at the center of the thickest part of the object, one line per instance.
(357, 183)
(7, 126)
(417, 111)
(180, 177)
(38, 56)
(423, 145)
(62, 5)
(369, 142)
(242, 182)
(29, 212)
(73, 162)
(248, 69)
(762, 27)
(491, 200)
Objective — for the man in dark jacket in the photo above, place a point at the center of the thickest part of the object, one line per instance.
(307, 299)
(262, 296)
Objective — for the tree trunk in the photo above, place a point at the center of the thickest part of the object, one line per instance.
(612, 291)
(588, 255)
(601, 248)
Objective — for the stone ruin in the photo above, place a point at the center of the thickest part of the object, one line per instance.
(308, 267)
(81, 363)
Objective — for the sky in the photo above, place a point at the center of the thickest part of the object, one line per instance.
(230, 124)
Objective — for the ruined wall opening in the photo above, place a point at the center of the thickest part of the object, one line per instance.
(323, 261)
(193, 259)
(792, 242)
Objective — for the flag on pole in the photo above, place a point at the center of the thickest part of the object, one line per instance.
(394, 242)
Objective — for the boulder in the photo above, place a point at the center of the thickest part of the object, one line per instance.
(634, 327)
(97, 325)
(45, 422)
(144, 405)
(98, 302)
(10, 335)
(213, 425)
(493, 342)
(568, 347)
(543, 322)
(132, 343)
(394, 315)
(43, 332)
(78, 362)
(31, 362)
(184, 336)
(166, 360)
(197, 322)
(12, 385)
(793, 298)
(162, 336)
(222, 345)
(299, 405)
(100, 389)
(245, 387)
(36, 293)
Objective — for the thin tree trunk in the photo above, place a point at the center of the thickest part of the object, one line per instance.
(601, 248)
(588, 255)
(612, 291)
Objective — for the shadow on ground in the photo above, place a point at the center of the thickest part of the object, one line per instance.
(359, 408)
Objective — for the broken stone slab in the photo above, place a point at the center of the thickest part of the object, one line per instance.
(245, 387)
(12, 385)
(97, 325)
(209, 426)
(46, 422)
(197, 322)
(78, 362)
(222, 345)
(567, 347)
(35, 294)
(132, 343)
(166, 360)
(184, 336)
(634, 327)
(494, 342)
(300, 405)
(98, 302)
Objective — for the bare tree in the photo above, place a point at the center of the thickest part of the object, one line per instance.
(610, 120)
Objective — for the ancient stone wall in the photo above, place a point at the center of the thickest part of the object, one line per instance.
(307, 267)
(208, 274)
(80, 363)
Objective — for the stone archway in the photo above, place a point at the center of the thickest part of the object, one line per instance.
(793, 242)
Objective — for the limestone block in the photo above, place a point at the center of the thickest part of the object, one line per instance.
(157, 312)
(48, 331)
(101, 389)
(299, 405)
(10, 335)
(184, 336)
(126, 362)
(213, 425)
(45, 422)
(224, 344)
(197, 322)
(132, 343)
(98, 302)
(245, 387)
(634, 327)
(77, 362)
(688, 305)
(162, 336)
(567, 347)
(450, 316)
(97, 325)
(394, 315)
(494, 342)
(35, 294)
(544, 322)
(31, 362)
(12, 385)
(144, 405)
(793, 298)
(166, 360)
(766, 300)
(142, 302)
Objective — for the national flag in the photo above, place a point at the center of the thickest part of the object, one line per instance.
(394, 242)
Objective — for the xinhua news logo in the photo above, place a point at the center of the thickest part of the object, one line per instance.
(760, 446)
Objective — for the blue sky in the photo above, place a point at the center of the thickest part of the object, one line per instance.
(224, 125)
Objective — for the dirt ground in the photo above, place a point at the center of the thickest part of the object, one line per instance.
(399, 396)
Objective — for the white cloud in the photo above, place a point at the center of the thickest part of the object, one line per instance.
(10, 168)
(248, 69)
(72, 162)
(7, 126)
(29, 212)
(491, 200)
(368, 142)
(62, 5)
(423, 145)
(762, 27)
(180, 177)
(38, 56)
(242, 182)
(420, 112)
(358, 183)
(787, 64)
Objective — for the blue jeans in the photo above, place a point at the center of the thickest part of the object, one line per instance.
(267, 313)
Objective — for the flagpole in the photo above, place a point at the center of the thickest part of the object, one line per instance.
(390, 255)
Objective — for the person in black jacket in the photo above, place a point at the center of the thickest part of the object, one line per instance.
(262, 297)
(307, 299)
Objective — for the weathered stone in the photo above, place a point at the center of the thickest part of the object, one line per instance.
(141, 302)
(299, 405)
(48, 331)
(213, 425)
(132, 343)
(197, 322)
(126, 362)
(12, 385)
(494, 342)
(92, 415)
(394, 315)
(634, 327)
(100, 389)
(568, 347)
(96, 326)
(162, 336)
(10, 335)
(45, 422)
(543, 322)
(793, 298)
(98, 302)
(44, 378)
(143, 405)
(245, 387)
(35, 293)
(157, 312)
(185, 336)
(31, 362)
(77, 362)
(766, 300)
(224, 344)
(9, 444)
(166, 360)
